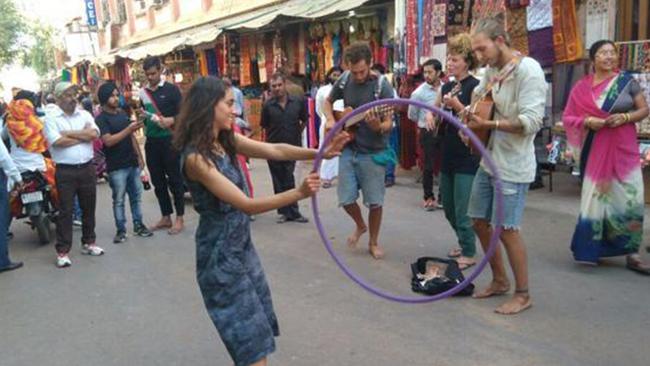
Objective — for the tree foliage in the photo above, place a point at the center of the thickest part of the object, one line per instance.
(12, 26)
(41, 55)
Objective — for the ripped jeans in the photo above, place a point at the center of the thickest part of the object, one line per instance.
(483, 200)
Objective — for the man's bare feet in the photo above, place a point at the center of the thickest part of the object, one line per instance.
(177, 227)
(376, 251)
(353, 239)
(495, 289)
(164, 223)
(519, 302)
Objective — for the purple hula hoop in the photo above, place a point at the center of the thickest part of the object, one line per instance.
(498, 205)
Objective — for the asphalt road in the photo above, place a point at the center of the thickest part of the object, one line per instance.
(140, 305)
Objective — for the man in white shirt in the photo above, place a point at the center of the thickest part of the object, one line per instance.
(70, 132)
(519, 95)
(427, 93)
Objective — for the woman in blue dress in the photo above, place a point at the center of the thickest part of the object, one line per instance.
(229, 272)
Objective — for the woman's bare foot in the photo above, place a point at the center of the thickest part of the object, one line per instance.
(495, 289)
(376, 251)
(353, 239)
(177, 227)
(519, 302)
(164, 223)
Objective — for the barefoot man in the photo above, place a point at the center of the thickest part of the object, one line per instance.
(161, 102)
(519, 108)
(357, 169)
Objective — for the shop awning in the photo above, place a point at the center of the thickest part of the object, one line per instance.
(293, 9)
(209, 32)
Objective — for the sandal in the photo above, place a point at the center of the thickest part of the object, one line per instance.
(635, 264)
(455, 253)
(465, 263)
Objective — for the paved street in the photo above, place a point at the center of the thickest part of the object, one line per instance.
(140, 305)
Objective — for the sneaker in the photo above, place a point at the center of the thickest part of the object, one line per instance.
(91, 249)
(119, 238)
(142, 231)
(62, 261)
(76, 223)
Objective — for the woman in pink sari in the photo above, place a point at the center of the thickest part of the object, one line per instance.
(599, 120)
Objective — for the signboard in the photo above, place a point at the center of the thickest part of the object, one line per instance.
(91, 13)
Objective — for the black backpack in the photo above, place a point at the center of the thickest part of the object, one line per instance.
(453, 276)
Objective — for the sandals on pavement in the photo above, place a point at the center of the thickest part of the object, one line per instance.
(635, 264)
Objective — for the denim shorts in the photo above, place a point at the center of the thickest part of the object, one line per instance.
(357, 171)
(482, 201)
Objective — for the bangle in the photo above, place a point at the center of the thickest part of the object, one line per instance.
(496, 127)
(627, 117)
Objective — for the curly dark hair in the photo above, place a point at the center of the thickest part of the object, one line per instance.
(196, 119)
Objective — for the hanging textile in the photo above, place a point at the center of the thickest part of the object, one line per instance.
(221, 54)
(439, 19)
(540, 44)
(566, 37)
(261, 58)
(234, 57)
(269, 55)
(211, 60)
(487, 8)
(411, 34)
(278, 57)
(329, 51)
(426, 38)
(516, 26)
(540, 14)
(337, 50)
(517, 4)
(459, 16)
(597, 26)
(74, 76)
(245, 63)
(421, 29)
(634, 56)
(203, 64)
(302, 54)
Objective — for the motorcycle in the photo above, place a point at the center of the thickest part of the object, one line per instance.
(34, 201)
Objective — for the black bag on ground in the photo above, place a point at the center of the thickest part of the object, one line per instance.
(431, 284)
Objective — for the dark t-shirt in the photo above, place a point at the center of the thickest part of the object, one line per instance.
(456, 157)
(355, 95)
(121, 155)
(168, 99)
(284, 124)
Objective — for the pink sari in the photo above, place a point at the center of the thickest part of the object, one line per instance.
(612, 206)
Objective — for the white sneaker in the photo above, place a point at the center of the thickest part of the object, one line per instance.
(91, 249)
(62, 261)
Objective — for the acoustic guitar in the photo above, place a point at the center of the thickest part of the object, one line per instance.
(352, 125)
(483, 103)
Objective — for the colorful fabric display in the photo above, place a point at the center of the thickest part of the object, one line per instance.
(597, 21)
(540, 45)
(566, 36)
(245, 64)
(516, 25)
(540, 14)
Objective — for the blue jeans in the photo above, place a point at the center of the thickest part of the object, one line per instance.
(124, 181)
(358, 171)
(4, 221)
(482, 201)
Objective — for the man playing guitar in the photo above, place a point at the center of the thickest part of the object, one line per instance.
(519, 101)
(358, 166)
